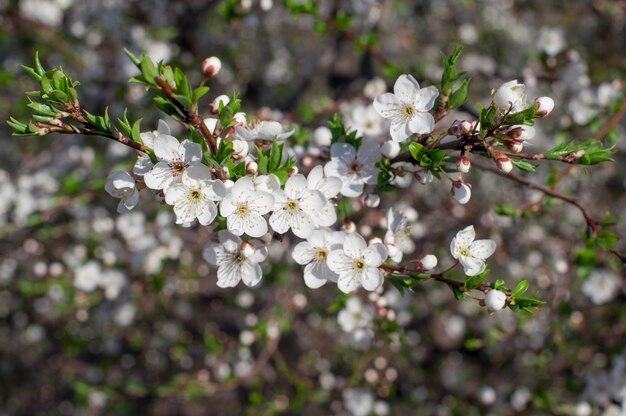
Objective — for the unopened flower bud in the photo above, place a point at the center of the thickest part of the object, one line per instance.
(428, 262)
(348, 225)
(240, 118)
(423, 177)
(521, 132)
(214, 107)
(545, 105)
(252, 168)
(394, 253)
(247, 249)
(211, 67)
(322, 136)
(240, 149)
(514, 146)
(371, 200)
(504, 163)
(225, 171)
(455, 128)
(293, 171)
(307, 161)
(390, 149)
(461, 192)
(495, 300)
(468, 127)
(464, 164)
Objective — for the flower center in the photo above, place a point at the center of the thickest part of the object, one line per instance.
(463, 251)
(292, 206)
(242, 209)
(178, 167)
(321, 255)
(355, 167)
(195, 194)
(408, 110)
(238, 258)
(359, 265)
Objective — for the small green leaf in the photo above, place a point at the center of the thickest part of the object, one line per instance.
(458, 97)
(472, 282)
(523, 165)
(520, 289)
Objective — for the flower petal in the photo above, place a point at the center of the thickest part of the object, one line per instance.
(303, 253)
(159, 177)
(369, 153)
(343, 152)
(354, 245)
(254, 225)
(406, 87)
(261, 202)
(425, 98)
(387, 105)
(472, 266)
(422, 123)
(190, 151)
(482, 249)
(280, 221)
(166, 147)
(251, 273)
(295, 186)
(348, 282)
(371, 279)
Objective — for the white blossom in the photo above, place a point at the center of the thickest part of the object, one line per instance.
(313, 254)
(244, 208)
(235, 260)
(195, 196)
(329, 186)
(408, 108)
(399, 233)
(366, 121)
(121, 185)
(357, 264)
(355, 169)
(262, 130)
(511, 95)
(174, 158)
(601, 286)
(296, 208)
(471, 254)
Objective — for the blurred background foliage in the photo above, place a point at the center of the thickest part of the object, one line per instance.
(158, 337)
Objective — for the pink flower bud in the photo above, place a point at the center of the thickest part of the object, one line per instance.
(467, 127)
(455, 128)
(390, 149)
(247, 249)
(461, 192)
(293, 171)
(504, 163)
(371, 200)
(514, 146)
(348, 225)
(214, 107)
(211, 67)
(545, 105)
(240, 118)
(252, 168)
(428, 262)
(464, 164)
(521, 133)
(423, 177)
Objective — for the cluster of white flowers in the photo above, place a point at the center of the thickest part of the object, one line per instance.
(251, 209)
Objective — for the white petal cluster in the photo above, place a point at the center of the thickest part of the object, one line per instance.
(313, 254)
(407, 108)
(357, 264)
(195, 195)
(398, 235)
(244, 208)
(601, 286)
(471, 254)
(297, 208)
(174, 158)
(354, 168)
(511, 96)
(121, 185)
(235, 259)
(262, 130)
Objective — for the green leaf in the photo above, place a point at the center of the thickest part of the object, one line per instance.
(458, 293)
(523, 165)
(472, 282)
(199, 93)
(449, 76)
(505, 210)
(520, 289)
(458, 97)
(523, 117)
(606, 240)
